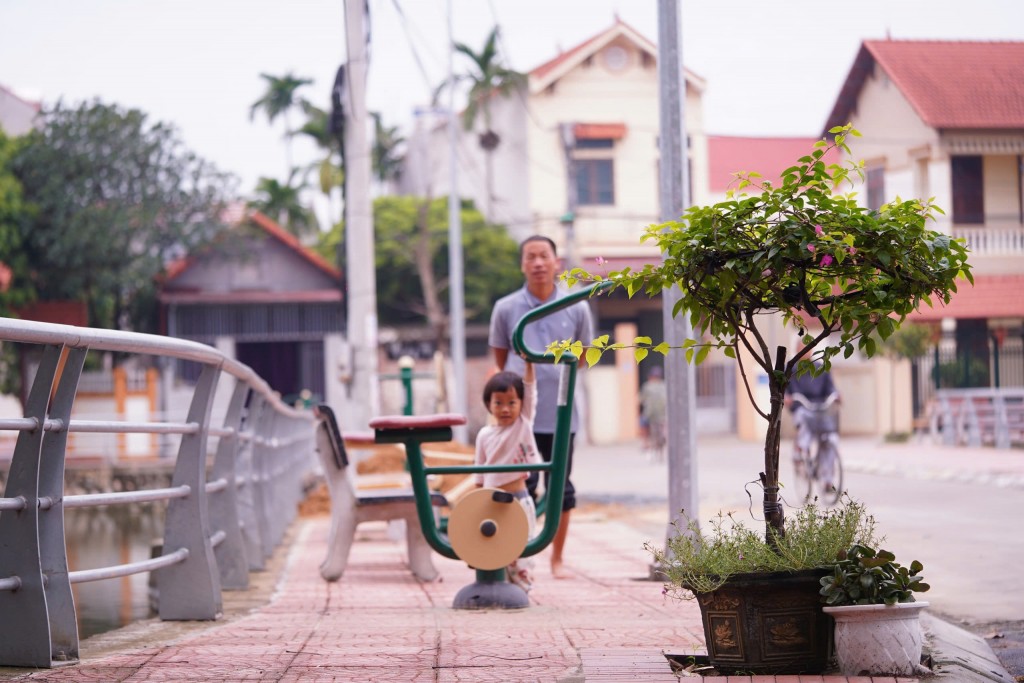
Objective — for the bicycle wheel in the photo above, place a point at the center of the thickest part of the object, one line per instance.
(828, 491)
(803, 475)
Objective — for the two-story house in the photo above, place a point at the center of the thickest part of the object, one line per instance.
(945, 119)
(577, 161)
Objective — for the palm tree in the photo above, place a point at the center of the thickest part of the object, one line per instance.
(487, 77)
(282, 202)
(329, 170)
(387, 160)
(278, 100)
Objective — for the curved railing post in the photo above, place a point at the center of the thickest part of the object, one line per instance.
(25, 640)
(250, 496)
(191, 589)
(230, 553)
(60, 604)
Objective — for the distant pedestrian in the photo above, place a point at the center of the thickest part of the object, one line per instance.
(653, 410)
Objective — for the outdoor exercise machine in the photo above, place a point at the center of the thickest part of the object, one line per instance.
(487, 529)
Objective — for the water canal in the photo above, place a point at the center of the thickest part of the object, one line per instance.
(100, 537)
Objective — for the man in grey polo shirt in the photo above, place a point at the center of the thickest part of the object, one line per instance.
(539, 262)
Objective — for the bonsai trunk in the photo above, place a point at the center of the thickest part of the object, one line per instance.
(774, 518)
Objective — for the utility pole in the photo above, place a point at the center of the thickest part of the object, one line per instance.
(567, 132)
(456, 306)
(364, 398)
(675, 197)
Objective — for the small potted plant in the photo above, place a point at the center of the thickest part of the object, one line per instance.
(871, 598)
(841, 275)
(752, 592)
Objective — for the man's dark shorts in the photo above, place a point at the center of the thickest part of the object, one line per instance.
(545, 444)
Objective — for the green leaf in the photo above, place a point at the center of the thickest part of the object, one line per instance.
(593, 356)
(702, 353)
(639, 354)
(662, 348)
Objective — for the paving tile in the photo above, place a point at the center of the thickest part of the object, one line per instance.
(379, 624)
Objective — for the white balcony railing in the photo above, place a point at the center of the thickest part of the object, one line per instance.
(992, 241)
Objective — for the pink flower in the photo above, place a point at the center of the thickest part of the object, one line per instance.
(600, 261)
(852, 250)
(810, 247)
(826, 260)
(767, 272)
(818, 230)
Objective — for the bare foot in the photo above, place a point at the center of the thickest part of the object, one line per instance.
(559, 571)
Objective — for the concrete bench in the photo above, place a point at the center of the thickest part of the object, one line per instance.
(350, 506)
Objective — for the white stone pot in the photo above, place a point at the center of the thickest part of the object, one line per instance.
(878, 639)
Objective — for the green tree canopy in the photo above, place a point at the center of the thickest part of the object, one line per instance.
(15, 287)
(111, 199)
(491, 259)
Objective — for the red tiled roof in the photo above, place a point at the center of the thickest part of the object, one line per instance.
(553, 63)
(260, 220)
(767, 156)
(992, 296)
(590, 45)
(10, 93)
(951, 85)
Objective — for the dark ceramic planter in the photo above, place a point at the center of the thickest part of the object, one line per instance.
(767, 623)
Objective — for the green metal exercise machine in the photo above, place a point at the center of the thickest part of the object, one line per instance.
(488, 527)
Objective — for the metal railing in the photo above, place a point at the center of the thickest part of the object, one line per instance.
(216, 528)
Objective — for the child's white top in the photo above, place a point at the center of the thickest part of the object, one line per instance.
(511, 445)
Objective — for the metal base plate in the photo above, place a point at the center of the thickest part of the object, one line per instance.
(491, 595)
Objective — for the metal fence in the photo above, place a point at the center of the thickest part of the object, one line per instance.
(1000, 365)
(223, 518)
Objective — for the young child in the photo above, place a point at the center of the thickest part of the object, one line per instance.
(512, 401)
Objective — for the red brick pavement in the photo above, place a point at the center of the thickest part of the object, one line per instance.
(380, 624)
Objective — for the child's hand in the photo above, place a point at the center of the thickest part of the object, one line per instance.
(529, 374)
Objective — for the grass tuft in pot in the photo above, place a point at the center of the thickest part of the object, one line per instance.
(696, 561)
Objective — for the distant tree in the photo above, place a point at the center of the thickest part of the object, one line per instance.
(487, 78)
(387, 156)
(111, 199)
(412, 263)
(283, 203)
(15, 286)
(278, 100)
(329, 171)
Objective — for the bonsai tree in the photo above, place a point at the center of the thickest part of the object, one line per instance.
(837, 272)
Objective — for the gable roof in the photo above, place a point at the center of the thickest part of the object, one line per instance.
(550, 71)
(767, 156)
(235, 216)
(950, 84)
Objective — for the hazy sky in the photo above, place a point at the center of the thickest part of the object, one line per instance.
(772, 68)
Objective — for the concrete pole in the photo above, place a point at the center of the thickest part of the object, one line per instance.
(456, 306)
(675, 197)
(360, 274)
